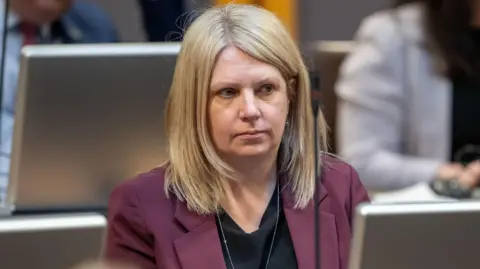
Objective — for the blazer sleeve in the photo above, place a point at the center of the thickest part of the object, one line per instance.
(127, 239)
(371, 110)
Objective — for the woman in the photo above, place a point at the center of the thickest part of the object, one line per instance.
(409, 93)
(237, 191)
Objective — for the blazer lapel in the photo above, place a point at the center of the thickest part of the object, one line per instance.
(301, 227)
(200, 247)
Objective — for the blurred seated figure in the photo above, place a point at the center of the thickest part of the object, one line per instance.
(162, 19)
(409, 98)
(43, 22)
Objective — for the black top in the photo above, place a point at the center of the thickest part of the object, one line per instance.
(465, 120)
(466, 116)
(465, 128)
(465, 143)
(250, 251)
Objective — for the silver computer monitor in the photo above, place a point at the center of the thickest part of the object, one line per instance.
(50, 242)
(87, 117)
(442, 235)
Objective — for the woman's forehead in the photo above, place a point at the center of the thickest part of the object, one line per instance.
(234, 65)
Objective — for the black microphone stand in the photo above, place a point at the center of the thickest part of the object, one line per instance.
(315, 84)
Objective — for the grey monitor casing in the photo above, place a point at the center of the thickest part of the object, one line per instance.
(442, 235)
(87, 117)
(51, 241)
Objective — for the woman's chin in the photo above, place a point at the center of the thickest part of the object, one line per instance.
(253, 151)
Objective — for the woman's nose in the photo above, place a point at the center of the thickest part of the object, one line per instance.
(249, 109)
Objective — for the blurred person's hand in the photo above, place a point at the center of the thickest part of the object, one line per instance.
(470, 176)
(457, 181)
(449, 171)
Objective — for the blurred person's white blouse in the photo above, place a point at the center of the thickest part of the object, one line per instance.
(394, 109)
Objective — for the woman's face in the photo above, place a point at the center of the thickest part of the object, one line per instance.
(248, 106)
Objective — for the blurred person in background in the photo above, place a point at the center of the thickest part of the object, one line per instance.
(237, 191)
(409, 94)
(42, 22)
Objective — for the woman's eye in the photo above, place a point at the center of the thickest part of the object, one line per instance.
(228, 92)
(267, 88)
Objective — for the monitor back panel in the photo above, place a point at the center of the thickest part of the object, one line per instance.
(50, 242)
(88, 117)
(440, 236)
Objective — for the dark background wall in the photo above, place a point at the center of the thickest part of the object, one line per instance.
(319, 19)
(127, 16)
(334, 19)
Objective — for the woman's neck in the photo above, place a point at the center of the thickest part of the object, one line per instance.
(248, 196)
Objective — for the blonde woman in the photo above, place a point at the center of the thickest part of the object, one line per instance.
(237, 191)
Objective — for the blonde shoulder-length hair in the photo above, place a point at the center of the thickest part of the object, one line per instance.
(195, 171)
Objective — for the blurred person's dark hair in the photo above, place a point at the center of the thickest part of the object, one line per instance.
(448, 25)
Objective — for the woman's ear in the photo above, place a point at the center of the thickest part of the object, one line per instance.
(291, 88)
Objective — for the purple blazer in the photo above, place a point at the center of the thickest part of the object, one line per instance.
(148, 229)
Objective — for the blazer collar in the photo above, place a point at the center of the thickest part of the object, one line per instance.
(200, 246)
(72, 29)
(289, 199)
(301, 228)
(192, 221)
(64, 30)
